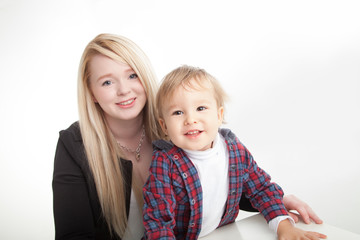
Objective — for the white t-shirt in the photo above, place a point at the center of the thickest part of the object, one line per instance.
(212, 166)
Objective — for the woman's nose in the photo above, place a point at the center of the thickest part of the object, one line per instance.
(122, 88)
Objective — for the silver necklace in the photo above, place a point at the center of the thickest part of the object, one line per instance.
(138, 149)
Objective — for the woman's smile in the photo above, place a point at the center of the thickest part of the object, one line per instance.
(126, 104)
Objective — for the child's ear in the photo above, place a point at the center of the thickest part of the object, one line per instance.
(163, 125)
(220, 115)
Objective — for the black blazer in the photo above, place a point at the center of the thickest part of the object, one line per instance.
(77, 211)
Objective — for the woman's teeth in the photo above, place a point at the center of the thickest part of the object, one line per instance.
(127, 102)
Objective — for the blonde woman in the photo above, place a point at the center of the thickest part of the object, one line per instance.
(102, 161)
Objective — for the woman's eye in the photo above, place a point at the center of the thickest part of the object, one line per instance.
(177, 113)
(106, 83)
(201, 108)
(133, 76)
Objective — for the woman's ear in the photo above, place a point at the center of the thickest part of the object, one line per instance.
(163, 125)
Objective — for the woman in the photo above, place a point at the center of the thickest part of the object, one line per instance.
(102, 161)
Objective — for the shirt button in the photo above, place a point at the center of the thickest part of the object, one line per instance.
(176, 157)
(193, 202)
(184, 175)
(232, 166)
(233, 192)
(192, 224)
(230, 210)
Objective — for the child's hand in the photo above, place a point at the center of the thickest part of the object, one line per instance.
(286, 231)
(293, 203)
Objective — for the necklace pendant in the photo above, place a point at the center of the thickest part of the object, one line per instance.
(138, 149)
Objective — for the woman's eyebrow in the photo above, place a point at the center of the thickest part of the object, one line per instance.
(104, 76)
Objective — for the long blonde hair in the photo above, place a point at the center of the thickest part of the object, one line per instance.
(100, 145)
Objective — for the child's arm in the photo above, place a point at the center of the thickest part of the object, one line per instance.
(291, 202)
(266, 196)
(287, 231)
(263, 194)
(159, 202)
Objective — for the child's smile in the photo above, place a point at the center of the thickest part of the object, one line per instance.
(193, 133)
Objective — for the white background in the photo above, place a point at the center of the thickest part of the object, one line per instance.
(291, 68)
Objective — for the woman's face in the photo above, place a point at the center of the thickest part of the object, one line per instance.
(116, 88)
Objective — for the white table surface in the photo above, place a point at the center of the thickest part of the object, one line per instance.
(256, 228)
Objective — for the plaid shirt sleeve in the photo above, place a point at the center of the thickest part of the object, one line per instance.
(264, 195)
(159, 201)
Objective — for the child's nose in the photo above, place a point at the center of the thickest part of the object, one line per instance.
(190, 119)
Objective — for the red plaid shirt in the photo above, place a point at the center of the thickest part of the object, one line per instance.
(173, 195)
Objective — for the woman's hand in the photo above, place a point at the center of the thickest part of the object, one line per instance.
(286, 231)
(306, 213)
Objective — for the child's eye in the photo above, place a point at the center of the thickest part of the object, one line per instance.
(177, 113)
(133, 76)
(106, 83)
(201, 108)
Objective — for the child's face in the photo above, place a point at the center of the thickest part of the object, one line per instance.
(191, 117)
